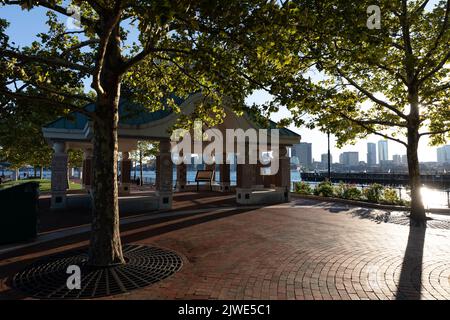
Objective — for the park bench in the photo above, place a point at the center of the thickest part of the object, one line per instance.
(204, 176)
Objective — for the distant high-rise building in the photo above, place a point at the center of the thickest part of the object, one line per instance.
(443, 154)
(397, 159)
(349, 158)
(371, 154)
(324, 159)
(383, 154)
(404, 159)
(303, 151)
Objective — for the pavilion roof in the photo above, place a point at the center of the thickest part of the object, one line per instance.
(129, 113)
(135, 114)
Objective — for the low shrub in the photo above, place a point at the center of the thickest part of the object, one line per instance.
(303, 188)
(373, 192)
(347, 191)
(352, 193)
(339, 189)
(390, 196)
(324, 189)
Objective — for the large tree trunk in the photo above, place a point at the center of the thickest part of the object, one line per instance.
(105, 245)
(41, 172)
(417, 208)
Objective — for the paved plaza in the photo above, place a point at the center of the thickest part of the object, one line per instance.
(301, 250)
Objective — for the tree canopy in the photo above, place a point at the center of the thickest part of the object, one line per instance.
(366, 79)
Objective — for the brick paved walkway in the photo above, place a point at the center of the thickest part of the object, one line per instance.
(284, 252)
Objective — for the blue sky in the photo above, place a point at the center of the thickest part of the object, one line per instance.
(24, 25)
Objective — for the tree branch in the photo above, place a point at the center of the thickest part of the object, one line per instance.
(55, 7)
(146, 51)
(435, 132)
(79, 46)
(96, 6)
(440, 88)
(392, 72)
(255, 82)
(438, 38)
(185, 72)
(51, 61)
(369, 129)
(72, 32)
(436, 69)
(371, 96)
(406, 36)
(382, 123)
(67, 95)
(134, 60)
(46, 100)
(405, 28)
(104, 40)
(398, 46)
(421, 7)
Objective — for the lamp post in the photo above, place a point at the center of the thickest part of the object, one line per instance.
(329, 157)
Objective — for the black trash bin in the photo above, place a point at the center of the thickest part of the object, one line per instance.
(18, 212)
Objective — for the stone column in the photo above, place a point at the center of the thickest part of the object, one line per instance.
(165, 175)
(125, 174)
(157, 161)
(224, 169)
(87, 169)
(259, 179)
(245, 179)
(59, 180)
(246, 173)
(181, 177)
(238, 175)
(283, 176)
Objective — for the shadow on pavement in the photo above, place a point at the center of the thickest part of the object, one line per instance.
(410, 283)
(30, 255)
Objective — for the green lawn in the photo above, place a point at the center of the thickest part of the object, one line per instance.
(44, 184)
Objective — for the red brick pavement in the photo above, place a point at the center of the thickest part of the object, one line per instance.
(282, 252)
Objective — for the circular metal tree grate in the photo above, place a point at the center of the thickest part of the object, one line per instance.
(47, 278)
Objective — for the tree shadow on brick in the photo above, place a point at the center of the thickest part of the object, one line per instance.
(8, 270)
(177, 225)
(410, 282)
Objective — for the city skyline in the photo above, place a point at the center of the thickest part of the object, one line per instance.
(344, 157)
